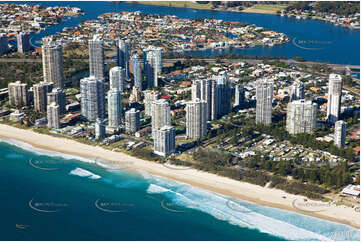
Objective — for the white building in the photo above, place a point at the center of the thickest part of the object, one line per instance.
(334, 97)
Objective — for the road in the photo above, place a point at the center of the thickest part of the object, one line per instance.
(208, 60)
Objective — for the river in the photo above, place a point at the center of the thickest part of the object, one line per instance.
(321, 41)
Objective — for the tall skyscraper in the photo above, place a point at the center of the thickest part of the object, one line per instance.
(215, 100)
(123, 55)
(196, 120)
(132, 122)
(53, 114)
(18, 94)
(23, 42)
(157, 52)
(164, 141)
(4, 44)
(99, 129)
(334, 97)
(149, 97)
(150, 69)
(117, 78)
(264, 95)
(40, 95)
(114, 108)
(52, 54)
(301, 116)
(137, 71)
(239, 99)
(96, 57)
(225, 94)
(340, 133)
(58, 96)
(207, 90)
(297, 91)
(92, 98)
(160, 115)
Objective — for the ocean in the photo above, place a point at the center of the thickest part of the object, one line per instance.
(52, 196)
(335, 44)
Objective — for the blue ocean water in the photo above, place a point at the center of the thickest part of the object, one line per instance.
(335, 44)
(52, 196)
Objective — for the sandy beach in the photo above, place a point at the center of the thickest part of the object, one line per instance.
(245, 191)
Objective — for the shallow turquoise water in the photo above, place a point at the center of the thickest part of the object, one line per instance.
(50, 196)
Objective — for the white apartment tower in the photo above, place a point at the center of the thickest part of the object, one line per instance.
(340, 133)
(117, 78)
(132, 122)
(53, 113)
(123, 50)
(164, 141)
(297, 91)
(18, 94)
(196, 120)
(40, 95)
(52, 55)
(301, 116)
(96, 57)
(160, 114)
(264, 96)
(334, 97)
(114, 108)
(149, 97)
(92, 98)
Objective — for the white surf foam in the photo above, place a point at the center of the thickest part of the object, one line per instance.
(84, 173)
(156, 189)
(282, 223)
(39, 151)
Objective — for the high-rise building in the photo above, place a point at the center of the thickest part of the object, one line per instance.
(207, 90)
(18, 94)
(225, 94)
(40, 95)
(99, 129)
(150, 69)
(160, 114)
(23, 42)
(117, 78)
(264, 96)
(92, 98)
(137, 71)
(196, 120)
(96, 57)
(334, 97)
(114, 108)
(215, 100)
(52, 54)
(164, 141)
(297, 91)
(340, 133)
(123, 55)
(58, 96)
(157, 52)
(149, 97)
(239, 98)
(132, 122)
(53, 114)
(301, 116)
(4, 44)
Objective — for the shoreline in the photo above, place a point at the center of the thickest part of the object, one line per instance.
(226, 186)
